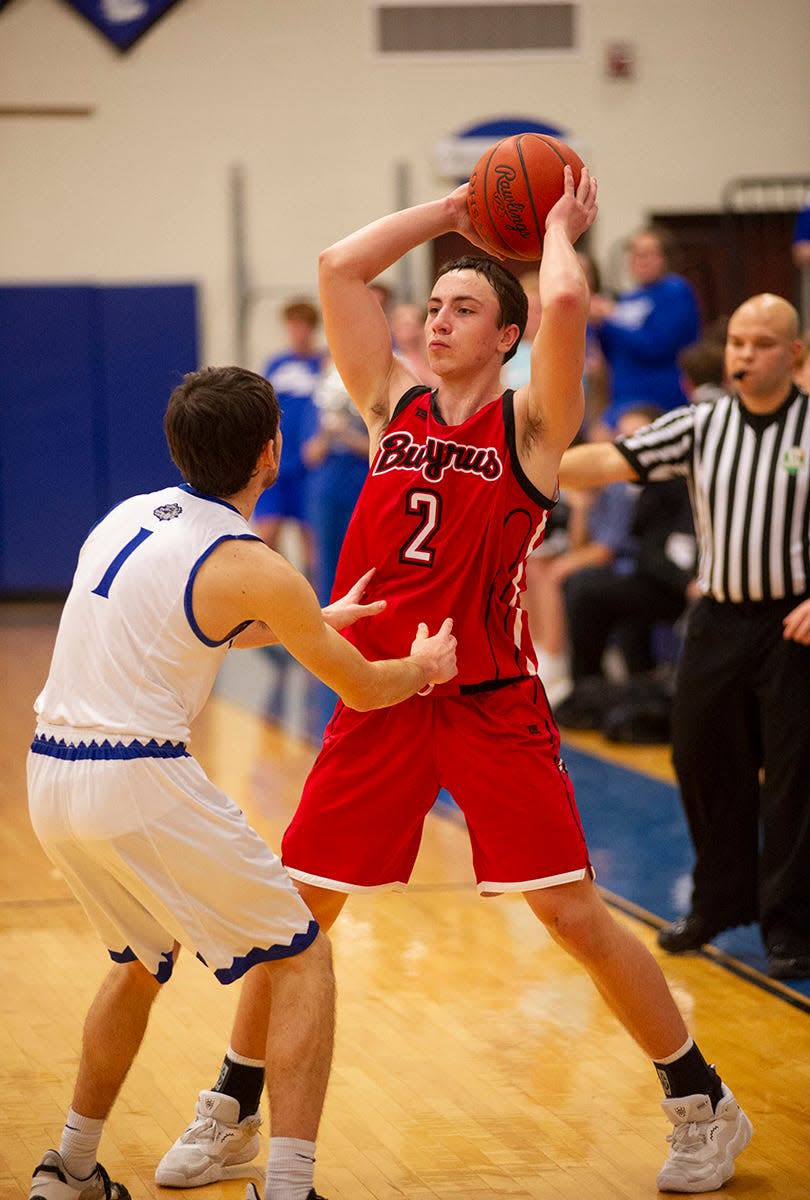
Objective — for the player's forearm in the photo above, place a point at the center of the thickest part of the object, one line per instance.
(562, 280)
(385, 683)
(363, 684)
(372, 249)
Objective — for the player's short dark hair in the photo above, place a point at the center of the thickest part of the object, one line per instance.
(512, 301)
(217, 422)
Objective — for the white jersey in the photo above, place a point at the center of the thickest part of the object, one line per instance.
(130, 659)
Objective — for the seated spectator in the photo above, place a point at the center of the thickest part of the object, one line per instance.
(599, 538)
(602, 604)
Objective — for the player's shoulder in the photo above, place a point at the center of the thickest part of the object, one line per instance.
(245, 566)
(246, 549)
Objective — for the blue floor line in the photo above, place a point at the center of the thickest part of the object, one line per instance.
(639, 844)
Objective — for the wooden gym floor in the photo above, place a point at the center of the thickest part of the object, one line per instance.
(473, 1058)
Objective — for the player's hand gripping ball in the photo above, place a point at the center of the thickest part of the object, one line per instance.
(513, 186)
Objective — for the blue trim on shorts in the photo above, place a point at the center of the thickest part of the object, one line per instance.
(242, 964)
(164, 971)
(52, 748)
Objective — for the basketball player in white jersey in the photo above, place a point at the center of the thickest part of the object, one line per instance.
(157, 855)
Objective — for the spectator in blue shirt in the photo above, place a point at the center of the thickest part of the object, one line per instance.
(294, 373)
(642, 331)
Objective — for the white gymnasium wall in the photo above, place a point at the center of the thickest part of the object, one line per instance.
(290, 90)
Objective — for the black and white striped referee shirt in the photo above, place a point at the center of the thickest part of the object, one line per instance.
(749, 483)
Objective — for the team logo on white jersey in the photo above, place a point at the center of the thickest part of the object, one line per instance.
(167, 512)
(399, 452)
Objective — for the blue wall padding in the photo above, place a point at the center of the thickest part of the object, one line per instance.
(85, 373)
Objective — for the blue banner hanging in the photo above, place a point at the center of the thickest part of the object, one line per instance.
(122, 21)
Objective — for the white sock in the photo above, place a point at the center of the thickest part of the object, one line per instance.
(80, 1139)
(246, 1062)
(290, 1169)
(685, 1048)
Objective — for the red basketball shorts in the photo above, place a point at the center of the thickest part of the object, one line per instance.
(359, 823)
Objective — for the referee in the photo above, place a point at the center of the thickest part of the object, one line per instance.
(741, 718)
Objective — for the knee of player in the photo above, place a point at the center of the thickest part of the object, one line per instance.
(135, 977)
(571, 919)
(320, 953)
(315, 961)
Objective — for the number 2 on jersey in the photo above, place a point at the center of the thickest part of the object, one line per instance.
(428, 506)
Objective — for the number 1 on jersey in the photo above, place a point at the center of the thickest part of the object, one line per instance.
(102, 588)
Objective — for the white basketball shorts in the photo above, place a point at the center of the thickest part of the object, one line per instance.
(156, 854)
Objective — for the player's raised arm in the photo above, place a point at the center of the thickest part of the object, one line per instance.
(554, 397)
(355, 325)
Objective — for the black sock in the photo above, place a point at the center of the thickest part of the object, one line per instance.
(690, 1075)
(244, 1083)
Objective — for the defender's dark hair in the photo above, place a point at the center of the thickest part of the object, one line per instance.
(216, 423)
(512, 302)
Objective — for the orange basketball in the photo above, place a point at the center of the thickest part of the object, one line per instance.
(513, 186)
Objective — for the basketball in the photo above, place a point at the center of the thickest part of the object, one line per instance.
(513, 186)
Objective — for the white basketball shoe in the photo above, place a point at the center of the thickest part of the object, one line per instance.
(703, 1144)
(216, 1145)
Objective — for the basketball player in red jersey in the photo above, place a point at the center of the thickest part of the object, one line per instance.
(462, 479)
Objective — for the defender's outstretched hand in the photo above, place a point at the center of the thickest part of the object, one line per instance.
(436, 653)
(350, 608)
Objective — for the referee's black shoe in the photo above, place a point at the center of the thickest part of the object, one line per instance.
(786, 963)
(687, 933)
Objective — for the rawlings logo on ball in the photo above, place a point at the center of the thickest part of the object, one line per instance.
(505, 203)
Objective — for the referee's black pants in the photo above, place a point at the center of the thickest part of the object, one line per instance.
(741, 749)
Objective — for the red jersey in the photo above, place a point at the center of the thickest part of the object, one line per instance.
(448, 518)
